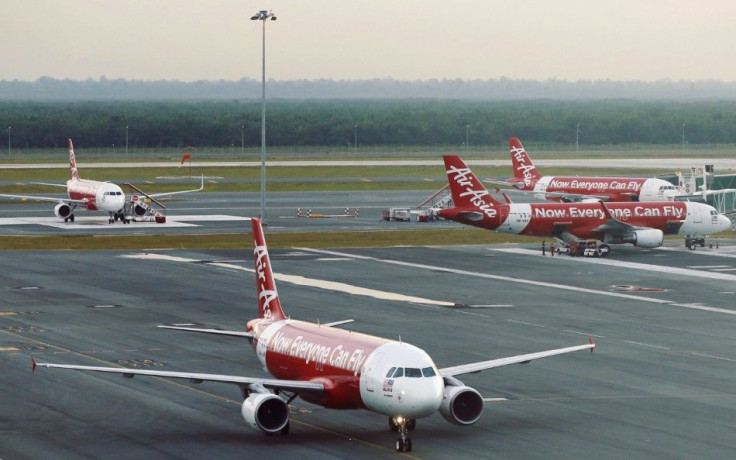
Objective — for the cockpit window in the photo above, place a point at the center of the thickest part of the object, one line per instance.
(413, 372)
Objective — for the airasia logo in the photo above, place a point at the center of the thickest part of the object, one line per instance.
(464, 177)
(265, 295)
(521, 157)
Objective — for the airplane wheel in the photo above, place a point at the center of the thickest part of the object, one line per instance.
(71, 217)
(411, 424)
(66, 219)
(403, 445)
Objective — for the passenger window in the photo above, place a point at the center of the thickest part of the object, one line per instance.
(413, 372)
(390, 372)
(428, 372)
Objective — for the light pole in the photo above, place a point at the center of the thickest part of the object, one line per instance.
(262, 16)
(355, 139)
(9, 141)
(126, 140)
(683, 138)
(467, 135)
(577, 137)
(242, 139)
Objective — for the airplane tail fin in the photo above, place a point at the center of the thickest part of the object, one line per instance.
(269, 305)
(73, 162)
(525, 173)
(473, 203)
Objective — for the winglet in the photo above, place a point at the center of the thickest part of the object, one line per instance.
(592, 343)
(33, 364)
(606, 212)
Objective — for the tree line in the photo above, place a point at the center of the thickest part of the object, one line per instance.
(344, 123)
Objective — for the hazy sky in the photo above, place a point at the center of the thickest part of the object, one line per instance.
(342, 39)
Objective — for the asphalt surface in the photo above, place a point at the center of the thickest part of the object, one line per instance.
(659, 385)
(226, 213)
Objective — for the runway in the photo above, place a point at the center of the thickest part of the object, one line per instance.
(659, 385)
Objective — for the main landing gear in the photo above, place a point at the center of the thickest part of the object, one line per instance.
(117, 216)
(692, 243)
(403, 426)
(69, 218)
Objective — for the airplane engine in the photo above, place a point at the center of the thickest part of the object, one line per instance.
(139, 210)
(62, 210)
(649, 238)
(461, 405)
(266, 412)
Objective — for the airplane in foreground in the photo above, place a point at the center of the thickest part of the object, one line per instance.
(642, 224)
(336, 368)
(582, 188)
(93, 195)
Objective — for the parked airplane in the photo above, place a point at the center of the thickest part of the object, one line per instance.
(642, 224)
(94, 195)
(582, 188)
(337, 369)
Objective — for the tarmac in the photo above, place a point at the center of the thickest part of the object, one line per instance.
(660, 384)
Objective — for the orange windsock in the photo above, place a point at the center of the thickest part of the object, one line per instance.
(185, 157)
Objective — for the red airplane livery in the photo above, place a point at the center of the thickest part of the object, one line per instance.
(337, 369)
(581, 188)
(94, 195)
(642, 224)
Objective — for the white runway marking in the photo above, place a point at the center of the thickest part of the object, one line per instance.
(632, 265)
(303, 281)
(646, 345)
(100, 222)
(552, 285)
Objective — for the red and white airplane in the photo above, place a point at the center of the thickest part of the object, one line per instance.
(337, 369)
(582, 188)
(93, 195)
(642, 224)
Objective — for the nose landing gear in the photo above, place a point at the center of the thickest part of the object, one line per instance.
(403, 426)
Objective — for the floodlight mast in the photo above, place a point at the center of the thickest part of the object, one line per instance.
(263, 15)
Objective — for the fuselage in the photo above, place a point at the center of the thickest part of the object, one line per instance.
(583, 219)
(358, 370)
(613, 188)
(98, 196)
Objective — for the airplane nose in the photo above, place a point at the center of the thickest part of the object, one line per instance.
(421, 399)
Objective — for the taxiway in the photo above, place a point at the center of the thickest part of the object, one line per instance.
(659, 385)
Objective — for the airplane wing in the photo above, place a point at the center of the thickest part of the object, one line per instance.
(297, 386)
(520, 359)
(564, 196)
(48, 184)
(44, 198)
(615, 226)
(165, 194)
(517, 185)
(248, 335)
